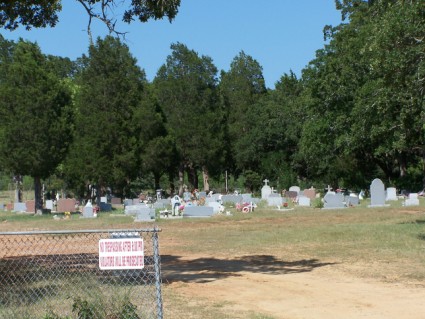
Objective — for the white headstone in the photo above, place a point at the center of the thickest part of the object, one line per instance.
(295, 189)
(266, 190)
(412, 200)
(391, 193)
(49, 204)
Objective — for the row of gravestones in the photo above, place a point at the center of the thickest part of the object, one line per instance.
(63, 205)
(378, 195)
(294, 194)
(336, 200)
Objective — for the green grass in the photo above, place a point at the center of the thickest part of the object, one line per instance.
(393, 237)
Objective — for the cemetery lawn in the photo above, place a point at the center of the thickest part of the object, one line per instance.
(304, 263)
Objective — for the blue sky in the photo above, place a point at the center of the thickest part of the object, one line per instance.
(282, 35)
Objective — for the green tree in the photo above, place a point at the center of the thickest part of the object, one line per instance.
(240, 87)
(36, 126)
(105, 145)
(186, 89)
(156, 146)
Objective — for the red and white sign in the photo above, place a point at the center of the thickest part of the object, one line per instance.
(121, 253)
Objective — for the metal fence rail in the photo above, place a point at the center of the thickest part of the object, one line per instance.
(56, 275)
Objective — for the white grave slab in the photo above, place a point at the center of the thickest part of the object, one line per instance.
(49, 204)
(391, 193)
(412, 200)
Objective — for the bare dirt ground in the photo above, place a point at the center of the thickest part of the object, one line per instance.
(303, 289)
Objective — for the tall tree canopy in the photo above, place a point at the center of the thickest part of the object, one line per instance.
(186, 86)
(365, 94)
(36, 125)
(241, 87)
(110, 90)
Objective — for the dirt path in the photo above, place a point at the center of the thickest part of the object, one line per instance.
(305, 289)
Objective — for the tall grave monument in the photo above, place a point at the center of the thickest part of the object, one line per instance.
(266, 190)
(377, 193)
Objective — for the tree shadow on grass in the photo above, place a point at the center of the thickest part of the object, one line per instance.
(202, 270)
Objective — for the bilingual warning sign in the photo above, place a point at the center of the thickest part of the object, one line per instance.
(121, 253)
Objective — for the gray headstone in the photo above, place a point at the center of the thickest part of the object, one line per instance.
(246, 198)
(202, 195)
(377, 193)
(165, 201)
(352, 200)
(2, 206)
(233, 199)
(257, 200)
(19, 207)
(128, 202)
(103, 199)
(158, 205)
(216, 206)
(146, 214)
(274, 200)
(210, 200)
(136, 209)
(304, 201)
(334, 200)
(187, 196)
(198, 211)
(88, 212)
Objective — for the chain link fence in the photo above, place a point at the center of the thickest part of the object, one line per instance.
(91, 274)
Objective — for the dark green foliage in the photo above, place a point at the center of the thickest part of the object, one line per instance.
(36, 13)
(110, 91)
(186, 91)
(36, 126)
(253, 180)
(241, 87)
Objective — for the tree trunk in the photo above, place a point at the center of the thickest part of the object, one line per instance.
(181, 180)
(193, 177)
(172, 186)
(205, 178)
(38, 199)
(157, 177)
